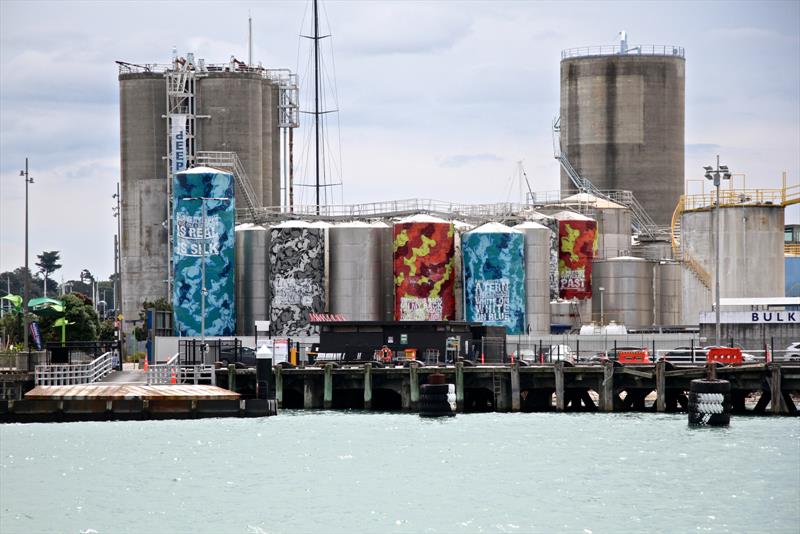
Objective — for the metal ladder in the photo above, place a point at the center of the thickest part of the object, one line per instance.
(497, 388)
(231, 161)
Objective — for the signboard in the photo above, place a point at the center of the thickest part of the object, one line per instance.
(36, 335)
(752, 317)
(276, 348)
(404, 339)
(578, 241)
(178, 143)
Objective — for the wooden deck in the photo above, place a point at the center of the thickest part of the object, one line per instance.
(111, 391)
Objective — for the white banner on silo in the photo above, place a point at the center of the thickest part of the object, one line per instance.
(178, 140)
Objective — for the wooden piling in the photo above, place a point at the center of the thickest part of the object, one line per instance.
(558, 369)
(279, 385)
(516, 401)
(414, 385)
(232, 377)
(607, 388)
(778, 403)
(459, 386)
(661, 386)
(327, 399)
(308, 394)
(368, 386)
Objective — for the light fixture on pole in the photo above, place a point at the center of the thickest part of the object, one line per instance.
(117, 210)
(26, 292)
(602, 317)
(716, 176)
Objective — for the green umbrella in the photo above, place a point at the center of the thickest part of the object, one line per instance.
(15, 300)
(46, 306)
(62, 322)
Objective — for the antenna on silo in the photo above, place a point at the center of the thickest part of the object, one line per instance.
(249, 39)
(623, 42)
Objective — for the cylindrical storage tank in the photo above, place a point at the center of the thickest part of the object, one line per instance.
(577, 237)
(551, 224)
(613, 224)
(143, 151)
(387, 270)
(203, 246)
(355, 281)
(622, 119)
(669, 293)
(752, 253)
(627, 296)
(271, 151)
(652, 249)
(252, 277)
(537, 277)
(233, 102)
(424, 269)
(494, 276)
(297, 281)
(458, 282)
(573, 313)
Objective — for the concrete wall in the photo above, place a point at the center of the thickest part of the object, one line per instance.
(751, 337)
(622, 126)
(143, 147)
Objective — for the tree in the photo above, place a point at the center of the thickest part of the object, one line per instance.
(14, 282)
(78, 310)
(48, 264)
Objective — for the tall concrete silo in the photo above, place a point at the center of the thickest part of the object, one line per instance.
(622, 121)
(227, 108)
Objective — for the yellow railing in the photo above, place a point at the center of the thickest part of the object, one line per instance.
(676, 220)
(791, 249)
(743, 197)
(791, 195)
(680, 253)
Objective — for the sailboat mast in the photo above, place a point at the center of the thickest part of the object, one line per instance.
(316, 99)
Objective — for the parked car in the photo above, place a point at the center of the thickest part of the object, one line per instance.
(684, 355)
(555, 353)
(792, 353)
(245, 358)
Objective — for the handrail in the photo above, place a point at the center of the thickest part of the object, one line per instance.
(742, 197)
(230, 160)
(164, 373)
(791, 249)
(74, 373)
(616, 50)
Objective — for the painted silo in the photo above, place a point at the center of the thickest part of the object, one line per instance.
(203, 241)
(297, 278)
(613, 223)
(356, 281)
(537, 277)
(424, 269)
(252, 277)
(552, 225)
(577, 235)
(494, 276)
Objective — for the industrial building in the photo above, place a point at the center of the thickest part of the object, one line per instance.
(620, 244)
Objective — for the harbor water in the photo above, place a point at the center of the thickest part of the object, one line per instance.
(329, 471)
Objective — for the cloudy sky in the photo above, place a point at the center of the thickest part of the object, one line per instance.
(437, 99)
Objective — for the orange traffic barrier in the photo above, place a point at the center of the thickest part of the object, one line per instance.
(483, 359)
(639, 356)
(726, 355)
(146, 367)
(172, 378)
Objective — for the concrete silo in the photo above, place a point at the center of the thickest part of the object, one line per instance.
(537, 277)
(252, 277)
(622, 121)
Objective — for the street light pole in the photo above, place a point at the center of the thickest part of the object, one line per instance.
(716, 176)
(602, 317)
(118, 265)
(26, 292)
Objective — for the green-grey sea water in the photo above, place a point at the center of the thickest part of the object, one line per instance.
(398, 473)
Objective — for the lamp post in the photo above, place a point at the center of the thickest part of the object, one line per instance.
(716, 176)
(602, 317)
(26, 291)
(203, 290)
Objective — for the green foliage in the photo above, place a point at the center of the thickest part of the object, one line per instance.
(16, 281)
(48, 262)
(160, 304)
(79, 310)
(107, 331)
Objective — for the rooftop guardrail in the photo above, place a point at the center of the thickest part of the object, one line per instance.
(616, 50)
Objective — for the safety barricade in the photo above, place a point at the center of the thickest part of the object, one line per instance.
(725, 355)
(628, 357)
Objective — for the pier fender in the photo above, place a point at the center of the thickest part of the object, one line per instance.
(710, 403)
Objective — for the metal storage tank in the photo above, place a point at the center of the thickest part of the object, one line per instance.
(424, 269)
(143, 140)
(669, 293)
(458, 282)
(537, 277)
(570, 312)
(252, 277)
(652, 249)
(622, 119)
(628, 295)
(298, 277)
(203, 242)
(751, 258)
(387, 269)
(551, 224)
(494, 276)
(613, 224)
(577, 240)
(356, 281)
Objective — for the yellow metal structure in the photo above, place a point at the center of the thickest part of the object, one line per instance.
(791, 249)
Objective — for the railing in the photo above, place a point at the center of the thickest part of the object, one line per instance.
(791, 249)
(165, 373)
(615, 50)
(739, 197)
(75, 373)
(230, 160)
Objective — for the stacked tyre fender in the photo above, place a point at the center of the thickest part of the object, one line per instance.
(710, 403)
(437, 399)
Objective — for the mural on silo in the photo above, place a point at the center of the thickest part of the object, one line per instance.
(494, 277)
(424, 270)
(297, 279)
(578, 239)
(552, 224)
(193, 244)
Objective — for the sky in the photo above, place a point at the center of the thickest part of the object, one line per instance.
(436, 100)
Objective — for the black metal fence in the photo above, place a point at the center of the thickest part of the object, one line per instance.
(82, 351)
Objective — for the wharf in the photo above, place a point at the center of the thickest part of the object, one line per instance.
(103, 401)
(758, 389)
